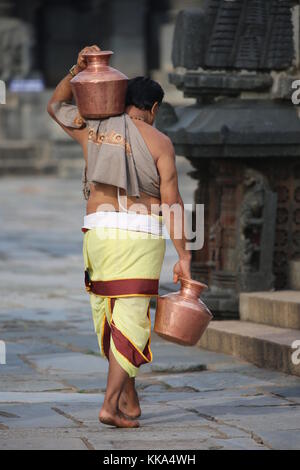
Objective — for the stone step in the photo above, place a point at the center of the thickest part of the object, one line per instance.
(278, 308)
(265, 346)
(21, 157)
(25, 157)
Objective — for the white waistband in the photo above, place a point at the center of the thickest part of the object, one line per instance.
(127, 221)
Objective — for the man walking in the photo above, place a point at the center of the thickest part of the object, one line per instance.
(130, 180)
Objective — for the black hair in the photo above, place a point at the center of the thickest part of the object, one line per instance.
(143, 92)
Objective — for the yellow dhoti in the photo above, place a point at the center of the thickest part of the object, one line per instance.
(122, 270)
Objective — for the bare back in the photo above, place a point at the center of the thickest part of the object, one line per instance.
(102, 194)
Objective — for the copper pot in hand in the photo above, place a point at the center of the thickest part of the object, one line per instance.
(181, 317)
(99, 89)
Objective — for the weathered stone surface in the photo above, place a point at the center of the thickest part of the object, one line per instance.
(188, 42)
(265, 346)
(173, 358)
(209, 381)
(281, 440)
(294, 274)
(29, 383)
(278, 308)
(197, 84)
(42, 443)
(237, 129)
(235, 35)
(49, 397)
(69, 363)
(290, 393)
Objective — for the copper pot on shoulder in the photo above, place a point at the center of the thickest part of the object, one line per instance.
(181, 317)
(99, 90)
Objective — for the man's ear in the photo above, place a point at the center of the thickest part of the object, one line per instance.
(154, 107)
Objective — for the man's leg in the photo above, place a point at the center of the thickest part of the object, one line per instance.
(110, 413)
(132, 318)
(129, 400)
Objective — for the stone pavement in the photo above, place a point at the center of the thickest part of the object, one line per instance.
(52, 386)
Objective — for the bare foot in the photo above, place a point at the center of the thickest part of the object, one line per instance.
(129, 410)
(129, 405)
(117, 419)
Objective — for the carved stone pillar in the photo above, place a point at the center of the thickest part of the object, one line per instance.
(237, 59)
(200, 265)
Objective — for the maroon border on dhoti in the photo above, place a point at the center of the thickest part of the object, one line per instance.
(106, 338)
(122, 344)
(127, 349)
(121, 287)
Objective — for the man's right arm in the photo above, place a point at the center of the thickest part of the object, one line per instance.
(170, 196)
(63, 94)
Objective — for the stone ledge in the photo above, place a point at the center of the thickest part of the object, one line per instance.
(31, 157)
(279, 308)
(264, 346)
(195, 83)
(26, 157)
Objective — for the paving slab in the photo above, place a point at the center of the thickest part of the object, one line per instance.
(255, 419)
(85, 412)
(69, 363)
(206, 380)
(27, 347)
(86, 383)
(239, 444)
(29, 383)
(83, 341)
(38, 443)
(170, 357)
(282, 440)
(240, 398)
(32, 416)
(49, 397)
(291, 393)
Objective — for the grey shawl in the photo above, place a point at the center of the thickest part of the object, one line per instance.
(117, 152)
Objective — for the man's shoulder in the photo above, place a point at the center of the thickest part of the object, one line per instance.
(160, 135)
(161, 139)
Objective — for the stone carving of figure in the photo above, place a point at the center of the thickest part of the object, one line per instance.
(15, 48)
(215, 240)
(251, 220)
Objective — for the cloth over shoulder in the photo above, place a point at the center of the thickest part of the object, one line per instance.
(117, 152)
(68, 114)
